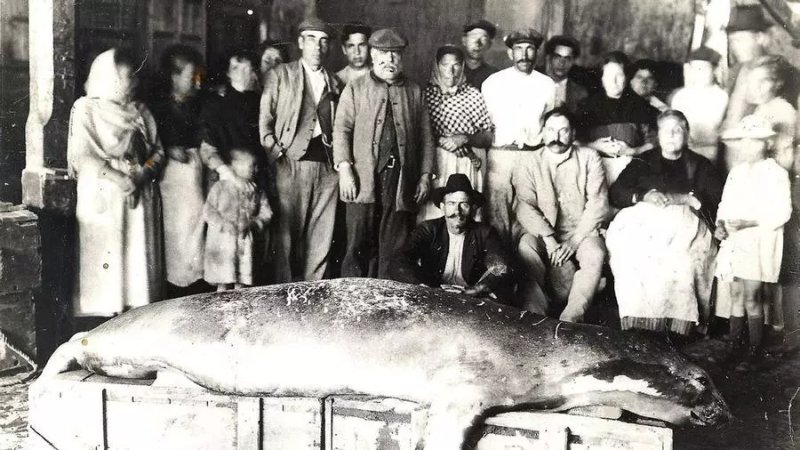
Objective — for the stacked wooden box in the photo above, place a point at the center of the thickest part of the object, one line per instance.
(82, 410)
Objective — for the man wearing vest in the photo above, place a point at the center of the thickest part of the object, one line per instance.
(383, 150)
(297, 109)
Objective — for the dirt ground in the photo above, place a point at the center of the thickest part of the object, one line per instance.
(766, 405)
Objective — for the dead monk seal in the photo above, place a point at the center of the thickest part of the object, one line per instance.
(467, 358)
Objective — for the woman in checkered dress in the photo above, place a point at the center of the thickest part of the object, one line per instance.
(460, 122)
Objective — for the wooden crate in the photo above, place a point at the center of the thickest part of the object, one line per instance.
(534, 431)
(367, 423)
(81, 410)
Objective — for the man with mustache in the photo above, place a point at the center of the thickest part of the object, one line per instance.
(455, 251)
(477, 40)
(356, 48)
(383, 149)
(296, 118)
(517, 98)
(562, 201)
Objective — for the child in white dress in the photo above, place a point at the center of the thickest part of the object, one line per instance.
(755, 205)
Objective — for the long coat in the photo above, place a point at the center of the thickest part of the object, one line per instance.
(358, 127)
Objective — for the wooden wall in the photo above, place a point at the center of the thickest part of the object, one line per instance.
(13, 96)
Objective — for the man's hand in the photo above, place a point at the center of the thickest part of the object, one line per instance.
(479, 290)
(721, 232)
(454, 142)
(656, 198)
(551, 245)
(178, 154)
(564, 252)
(348, 189)
(423, 189)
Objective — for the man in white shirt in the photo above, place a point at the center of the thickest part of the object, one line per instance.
(517, 98)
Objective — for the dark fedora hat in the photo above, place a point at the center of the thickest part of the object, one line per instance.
(457, 182)
(747, 18)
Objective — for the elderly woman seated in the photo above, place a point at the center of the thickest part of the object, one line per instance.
(660, 244)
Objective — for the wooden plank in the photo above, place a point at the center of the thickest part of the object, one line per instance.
(248, 423)
(586, 432)
(365, 423)
(292, 423)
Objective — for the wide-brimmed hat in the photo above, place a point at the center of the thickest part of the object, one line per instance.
(747, 18)
(750, 127)
(457, 182)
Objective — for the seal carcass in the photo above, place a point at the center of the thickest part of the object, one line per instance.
(466, 358)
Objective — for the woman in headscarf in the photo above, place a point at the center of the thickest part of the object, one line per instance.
(461, 124)
(115, 155)
(177, 114)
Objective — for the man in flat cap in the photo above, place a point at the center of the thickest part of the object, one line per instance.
(477, 40)
(748, 39)
(296, 126)
(702, 101)
(517, 98)
(355, 47)
(384, 152)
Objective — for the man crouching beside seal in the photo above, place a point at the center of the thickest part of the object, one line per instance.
(455, 251)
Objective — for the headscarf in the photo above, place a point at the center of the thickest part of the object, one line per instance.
(436, 74)
(106, 123)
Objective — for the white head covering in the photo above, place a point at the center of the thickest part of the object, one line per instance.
(105, 80)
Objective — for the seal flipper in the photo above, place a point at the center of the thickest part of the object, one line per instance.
(65, 357)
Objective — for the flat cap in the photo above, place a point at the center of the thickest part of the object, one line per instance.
(704, 54)
(316, 24)
(485, 25)
(387, 39)
(530, 35)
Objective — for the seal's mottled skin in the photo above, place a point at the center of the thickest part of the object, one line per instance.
(464, 357)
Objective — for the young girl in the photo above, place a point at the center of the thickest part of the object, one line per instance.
(755, 205)
(232, 214)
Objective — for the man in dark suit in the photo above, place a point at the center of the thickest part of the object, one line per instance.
(560, 55)
(454, 250)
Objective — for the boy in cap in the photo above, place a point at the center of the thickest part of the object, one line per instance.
(356, 48)
(297, 109)
(702, 101)
(477, 40)
(384, 152)
(517, 99)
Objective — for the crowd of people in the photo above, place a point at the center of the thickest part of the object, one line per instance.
(518, 184)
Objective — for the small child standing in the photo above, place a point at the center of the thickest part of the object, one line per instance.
(232, 215)
(755, 205)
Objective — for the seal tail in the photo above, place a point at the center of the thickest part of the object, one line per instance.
(65, 357)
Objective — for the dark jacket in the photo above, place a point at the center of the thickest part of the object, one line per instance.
(575, 95)
(651, 170)
(425, 255)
